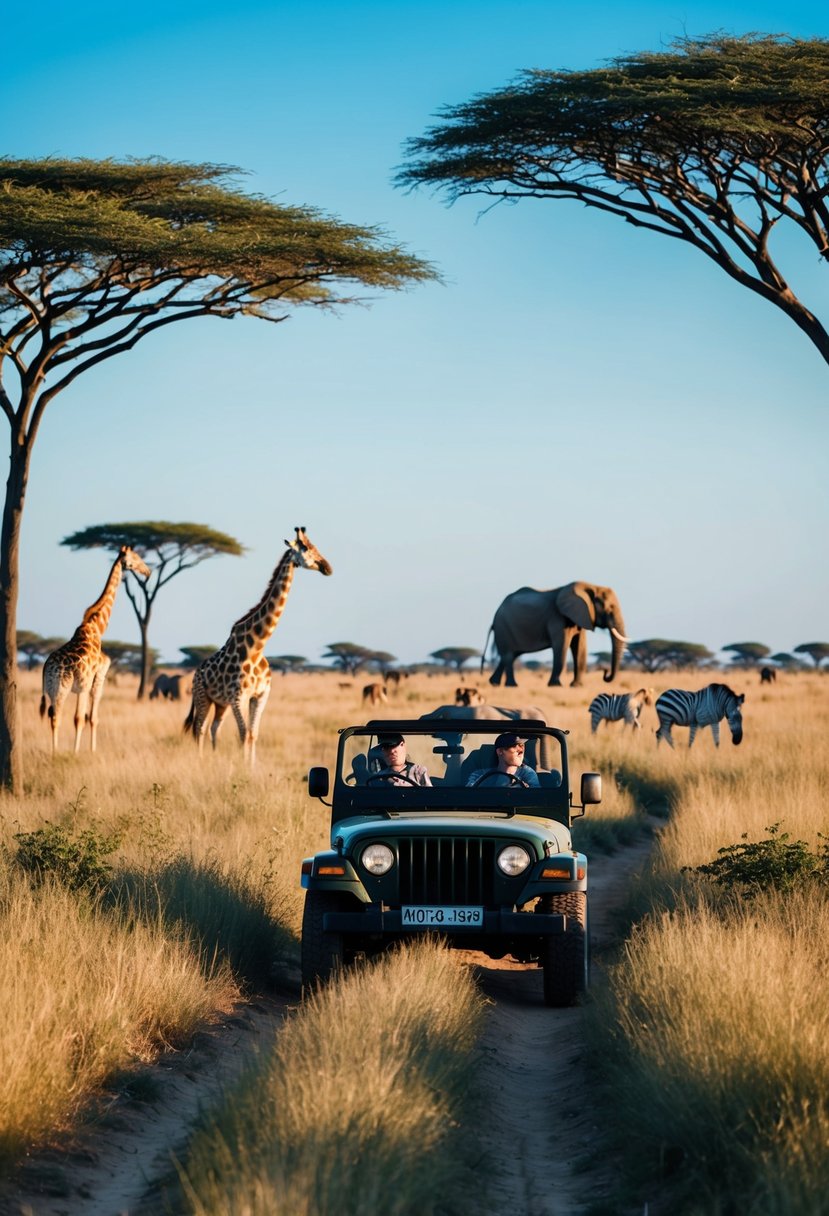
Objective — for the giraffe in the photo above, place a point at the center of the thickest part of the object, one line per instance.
(80, 665)
(238, 676)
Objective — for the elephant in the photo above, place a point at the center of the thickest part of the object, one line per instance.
(531, 620)
(168, 686)
(498, 713)
(493, 712)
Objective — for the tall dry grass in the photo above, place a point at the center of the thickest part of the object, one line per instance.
(715, 1022)
(359, 1107)
(86, 995)
(204, 898)
(720, 1058)
(209, 862)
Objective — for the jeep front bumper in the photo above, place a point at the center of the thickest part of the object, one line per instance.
(497, 923)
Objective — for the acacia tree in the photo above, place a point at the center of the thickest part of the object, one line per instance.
(127, 656)
(455, 656)
(96, 255)
(168, 549)
(713, 142)
(36, 648)
(348, 656)
(193, 655)
(660, 654)
(784, 659)
(381, 660)
(817, 651)
(748, 654)
(286, 662)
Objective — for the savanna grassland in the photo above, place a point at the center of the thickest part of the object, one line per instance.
(145, 891)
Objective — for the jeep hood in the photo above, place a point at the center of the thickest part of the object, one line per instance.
(548, 835)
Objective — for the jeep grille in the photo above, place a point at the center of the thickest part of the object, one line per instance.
(446, 870)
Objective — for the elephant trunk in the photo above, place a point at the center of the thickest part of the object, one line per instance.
(617, 634)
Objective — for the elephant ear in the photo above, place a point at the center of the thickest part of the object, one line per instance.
(574, 602)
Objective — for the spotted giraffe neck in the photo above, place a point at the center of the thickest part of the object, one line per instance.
(97, 615)
(253, 630)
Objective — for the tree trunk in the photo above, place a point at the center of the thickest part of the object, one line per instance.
(144, 626)
(143, 619)
(804, 319)
(11, 763)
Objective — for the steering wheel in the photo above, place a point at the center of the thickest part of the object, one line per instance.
(390, 775)
(495, 772)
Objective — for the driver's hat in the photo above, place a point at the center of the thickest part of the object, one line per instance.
(390, 740)
(507, 740)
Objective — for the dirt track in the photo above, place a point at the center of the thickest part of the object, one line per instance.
(533, 1067)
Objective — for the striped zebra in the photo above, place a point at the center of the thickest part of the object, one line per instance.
(708, 707)
(621, 706)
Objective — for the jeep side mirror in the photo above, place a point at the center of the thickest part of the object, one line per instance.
(591, 788)
(318, 782)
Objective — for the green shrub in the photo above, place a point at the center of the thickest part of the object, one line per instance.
(78, 861)
(776, 863)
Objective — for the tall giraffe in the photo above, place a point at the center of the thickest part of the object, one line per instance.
(80, 666)
(238, 676)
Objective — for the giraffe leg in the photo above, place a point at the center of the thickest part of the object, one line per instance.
(57, 700)
(96, 692)
(200, 722)
(54, 695)
(80, 716)
(257, 704)
(200, 727)
(219, 712)
(239, 717)
(196, 720)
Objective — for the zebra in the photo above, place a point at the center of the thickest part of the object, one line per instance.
(707, 707)
(627, 706)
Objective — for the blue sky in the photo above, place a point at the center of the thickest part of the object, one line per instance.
(574, 400)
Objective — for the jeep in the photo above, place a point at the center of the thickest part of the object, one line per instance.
(479, 857)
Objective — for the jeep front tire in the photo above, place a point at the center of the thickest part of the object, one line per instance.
(565, 956)
(322, 953)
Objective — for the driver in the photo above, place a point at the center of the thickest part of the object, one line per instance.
(510, 769)
(395, 768)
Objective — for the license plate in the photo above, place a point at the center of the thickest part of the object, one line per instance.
(436, 917)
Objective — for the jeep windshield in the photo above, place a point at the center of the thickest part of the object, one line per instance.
(380, 768)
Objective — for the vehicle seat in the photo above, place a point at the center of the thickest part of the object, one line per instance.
(531, 757)
(374, 759)
(359, 769)
(551, 779)
(481, 757)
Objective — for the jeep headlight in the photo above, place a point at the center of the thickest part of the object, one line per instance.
(378, 858)
(513, 860)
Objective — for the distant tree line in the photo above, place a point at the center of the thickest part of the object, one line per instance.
(651, 655)
(661, 654)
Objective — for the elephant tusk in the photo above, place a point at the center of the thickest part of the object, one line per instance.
(621, 637)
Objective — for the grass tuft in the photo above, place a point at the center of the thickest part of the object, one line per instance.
(228, 915)
(357, 1108)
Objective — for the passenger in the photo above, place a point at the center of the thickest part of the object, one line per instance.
(510, 769)
(394, 768)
